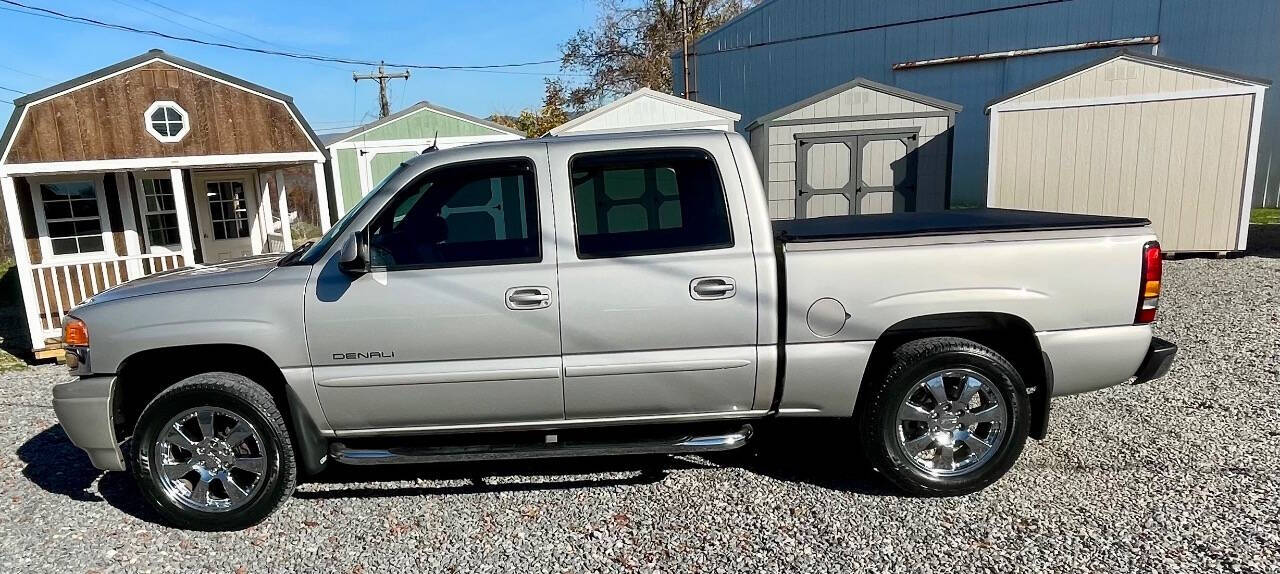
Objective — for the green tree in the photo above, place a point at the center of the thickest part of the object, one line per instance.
(536, 123)
(630, 44)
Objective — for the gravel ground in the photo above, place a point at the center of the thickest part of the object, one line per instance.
(1179, 474)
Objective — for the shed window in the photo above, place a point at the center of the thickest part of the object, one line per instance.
(167, 121)
(159, 213)
(71, 212)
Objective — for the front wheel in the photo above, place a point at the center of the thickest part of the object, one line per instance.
(950, 418)
(213, 453)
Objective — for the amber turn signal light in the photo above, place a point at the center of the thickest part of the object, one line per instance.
(75, 333)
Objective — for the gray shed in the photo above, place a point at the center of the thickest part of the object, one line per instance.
(860, 147)
(1134, 135)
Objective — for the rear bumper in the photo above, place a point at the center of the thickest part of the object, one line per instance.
(1157, 362)
(83, 407)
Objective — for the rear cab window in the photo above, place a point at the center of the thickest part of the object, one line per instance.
(644, 202)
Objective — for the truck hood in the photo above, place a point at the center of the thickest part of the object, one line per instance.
(234, 272)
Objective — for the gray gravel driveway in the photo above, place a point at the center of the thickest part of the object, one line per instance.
(1180, 474)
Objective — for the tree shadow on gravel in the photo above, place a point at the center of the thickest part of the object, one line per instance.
(58, 467)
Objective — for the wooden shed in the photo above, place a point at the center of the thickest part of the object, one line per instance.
(1134, 135)
(144, 166)
(646, 109)
(860, 147)
(363, 156)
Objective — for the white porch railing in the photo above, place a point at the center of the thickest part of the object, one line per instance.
(61, 286)
(275, 243)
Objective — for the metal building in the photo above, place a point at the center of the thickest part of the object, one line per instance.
(971, 51)
(1134, 135)
(860, 147)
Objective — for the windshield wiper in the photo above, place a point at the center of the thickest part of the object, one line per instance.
(295, 254)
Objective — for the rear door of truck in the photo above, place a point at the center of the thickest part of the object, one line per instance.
(657, 284)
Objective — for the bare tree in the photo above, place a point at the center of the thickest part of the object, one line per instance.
(630, 44)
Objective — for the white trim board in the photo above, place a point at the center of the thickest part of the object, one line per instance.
(421, 143)
(4, 157)
(167, 162)
(669, 99)
(427, 107)
(1125, 99)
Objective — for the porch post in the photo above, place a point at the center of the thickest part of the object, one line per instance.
(322, 197)
(133, 267)
(285, 232)
(184, 217)
(22, 259)
(264, 209)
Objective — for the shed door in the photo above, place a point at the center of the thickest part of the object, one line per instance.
(856, 172)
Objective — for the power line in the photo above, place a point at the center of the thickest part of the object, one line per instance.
(210, 34)
(121, 27)
(232, 30)
(25, 73)
(12, 90)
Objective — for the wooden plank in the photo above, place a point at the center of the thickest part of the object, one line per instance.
(104, 120)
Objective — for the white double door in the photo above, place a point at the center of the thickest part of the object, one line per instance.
(227, 214)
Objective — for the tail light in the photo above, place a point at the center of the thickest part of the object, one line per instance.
(1149, 291)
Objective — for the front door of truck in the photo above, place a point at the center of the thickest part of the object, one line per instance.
(458, 322)
(657, 288)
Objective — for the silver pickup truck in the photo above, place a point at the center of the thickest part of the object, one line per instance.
(599, 295)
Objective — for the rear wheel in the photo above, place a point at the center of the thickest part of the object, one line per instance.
(951, 417)
(213, 453)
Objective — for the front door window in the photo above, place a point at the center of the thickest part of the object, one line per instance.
(228, 209)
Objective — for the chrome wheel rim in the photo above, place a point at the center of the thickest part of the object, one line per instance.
(952, 422)
(209, 459)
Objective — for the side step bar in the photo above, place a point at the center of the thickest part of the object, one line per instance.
(416, 455)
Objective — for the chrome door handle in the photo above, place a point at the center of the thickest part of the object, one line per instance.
(706, 288)
(521, 298)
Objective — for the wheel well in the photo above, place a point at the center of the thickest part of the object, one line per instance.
(1009, 335)
(145, 374)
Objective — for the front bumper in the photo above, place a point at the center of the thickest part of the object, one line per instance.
(83, 407)
(1157, 362)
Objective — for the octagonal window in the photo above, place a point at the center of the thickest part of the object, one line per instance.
(167, 121)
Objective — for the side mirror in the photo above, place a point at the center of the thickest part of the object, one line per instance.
(354, 257)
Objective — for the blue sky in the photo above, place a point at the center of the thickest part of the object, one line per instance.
(37, 52)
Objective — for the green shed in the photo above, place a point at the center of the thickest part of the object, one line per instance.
(360, 158)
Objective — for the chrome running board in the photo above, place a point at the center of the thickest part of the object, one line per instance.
(550, 449)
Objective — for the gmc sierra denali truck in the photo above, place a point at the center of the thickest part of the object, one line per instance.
(596, 295)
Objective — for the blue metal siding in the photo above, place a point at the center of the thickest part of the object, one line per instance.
(738, 68)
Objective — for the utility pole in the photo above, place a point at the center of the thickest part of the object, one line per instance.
(684, 25)
(384, 103)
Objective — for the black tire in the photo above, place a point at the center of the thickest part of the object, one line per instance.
(879, 425)
(241, 397)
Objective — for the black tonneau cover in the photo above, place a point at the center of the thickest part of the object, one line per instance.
(980, 220)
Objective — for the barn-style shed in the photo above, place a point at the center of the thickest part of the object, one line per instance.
(860, 147)
(1138, 135)
(365, 155)
(647, 109)
(144, 166)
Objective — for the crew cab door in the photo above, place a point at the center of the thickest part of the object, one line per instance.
(657, 286)
(458, 321)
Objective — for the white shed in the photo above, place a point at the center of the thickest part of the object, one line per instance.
(860, 147)
(645, 109)
(1134, 135)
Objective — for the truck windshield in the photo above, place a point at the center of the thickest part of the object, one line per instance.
(320, 246)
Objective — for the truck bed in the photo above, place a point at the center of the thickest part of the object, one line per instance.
(979, 220)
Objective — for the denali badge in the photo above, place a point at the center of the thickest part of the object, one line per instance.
(368, 355)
